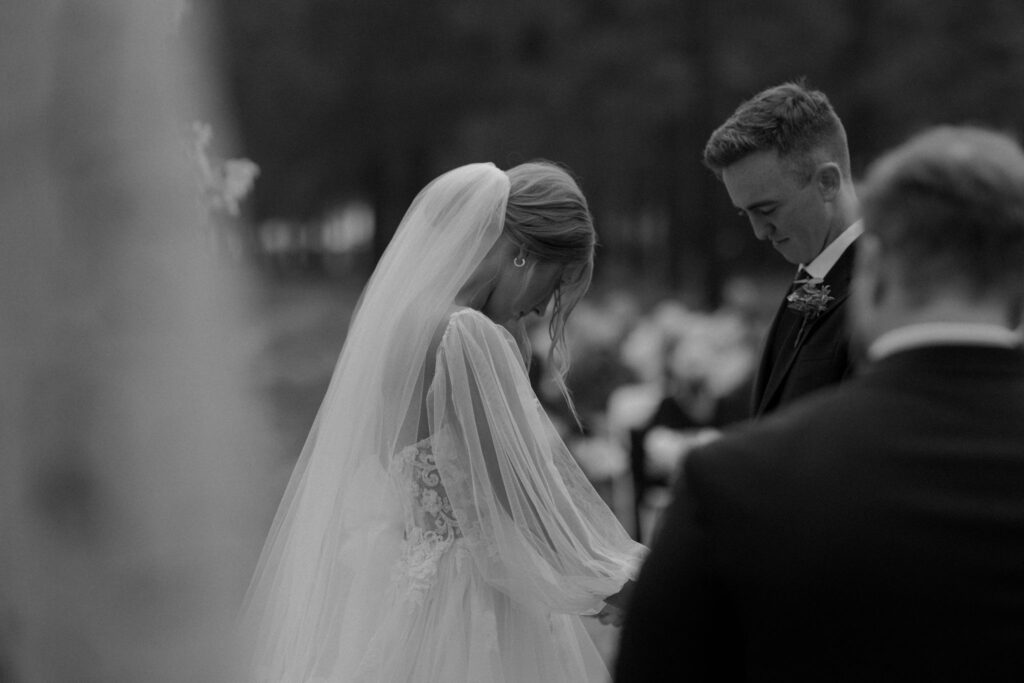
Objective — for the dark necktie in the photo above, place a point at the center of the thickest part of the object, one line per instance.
(801, 276)
(791, 321)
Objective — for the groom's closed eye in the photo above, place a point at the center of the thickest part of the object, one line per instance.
(763, 212)
(762, 209)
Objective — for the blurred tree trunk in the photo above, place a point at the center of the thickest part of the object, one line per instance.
(857, 108)
(702, 51)
(394, 178)
(693, 228)
(126, 437)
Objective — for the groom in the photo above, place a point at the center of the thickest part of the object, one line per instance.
(874, 532)
(783, 159)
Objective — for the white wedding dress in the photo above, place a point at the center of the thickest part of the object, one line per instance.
(436, 528)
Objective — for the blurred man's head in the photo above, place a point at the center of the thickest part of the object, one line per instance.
(784, 161)
(944, 233)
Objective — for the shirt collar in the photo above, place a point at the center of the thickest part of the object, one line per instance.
(819, 267)
(936, 334)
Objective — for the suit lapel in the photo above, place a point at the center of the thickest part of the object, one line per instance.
(764, 368)
(775, 368)
(789, 352)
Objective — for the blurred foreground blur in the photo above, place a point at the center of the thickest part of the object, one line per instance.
(131, 446)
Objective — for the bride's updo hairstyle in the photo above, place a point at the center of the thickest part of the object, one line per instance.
(548, 218)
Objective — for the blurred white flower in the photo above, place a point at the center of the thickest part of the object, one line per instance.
(648, 348)
(673, 318)
(600, 457)
(714, 352)
(631, 406)
(222, 185)
(643, 352)
(593, 326)
(239, 176)
(665, 447)
(202, 137)
(349, 228)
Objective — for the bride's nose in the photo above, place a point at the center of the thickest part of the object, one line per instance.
(542, 307)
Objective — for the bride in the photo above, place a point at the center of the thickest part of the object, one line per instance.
(435, 528)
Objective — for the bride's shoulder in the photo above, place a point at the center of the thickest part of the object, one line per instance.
(468, 321)
(465, 315)
(468, 332)
(465, 318)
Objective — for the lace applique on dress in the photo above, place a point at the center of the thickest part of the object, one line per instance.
(430, 524)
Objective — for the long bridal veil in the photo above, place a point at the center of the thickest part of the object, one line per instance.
(338, 527)
(435, 527)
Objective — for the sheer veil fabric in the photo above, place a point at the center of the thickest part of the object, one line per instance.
(435, 527)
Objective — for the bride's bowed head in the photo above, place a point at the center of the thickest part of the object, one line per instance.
(543, 256)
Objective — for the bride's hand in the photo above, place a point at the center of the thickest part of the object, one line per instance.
(621, 599)
(610, 615)
(614, 610)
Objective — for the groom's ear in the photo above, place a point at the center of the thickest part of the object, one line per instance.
(828, 179)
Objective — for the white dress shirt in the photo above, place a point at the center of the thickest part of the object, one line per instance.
(830, 255)
(943, 334)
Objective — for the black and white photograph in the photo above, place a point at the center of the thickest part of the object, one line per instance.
(547, 341)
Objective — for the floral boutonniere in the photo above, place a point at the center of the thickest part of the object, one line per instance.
(809, 299)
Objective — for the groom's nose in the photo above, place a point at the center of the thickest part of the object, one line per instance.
(762, 229)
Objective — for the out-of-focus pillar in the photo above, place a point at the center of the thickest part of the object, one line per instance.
(127, 432)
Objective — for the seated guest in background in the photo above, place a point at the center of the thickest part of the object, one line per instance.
(873, 531)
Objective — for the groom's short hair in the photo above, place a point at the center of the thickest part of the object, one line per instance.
(796, 122)
(948, 205)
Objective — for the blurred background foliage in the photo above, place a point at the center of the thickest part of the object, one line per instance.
(349, 107)
(369, 99)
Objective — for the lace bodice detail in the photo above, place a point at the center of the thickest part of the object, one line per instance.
(430, 524)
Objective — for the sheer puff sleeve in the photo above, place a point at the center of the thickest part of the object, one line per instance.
(535, 527)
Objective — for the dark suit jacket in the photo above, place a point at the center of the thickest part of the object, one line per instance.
(871, 532)
(789, 370)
